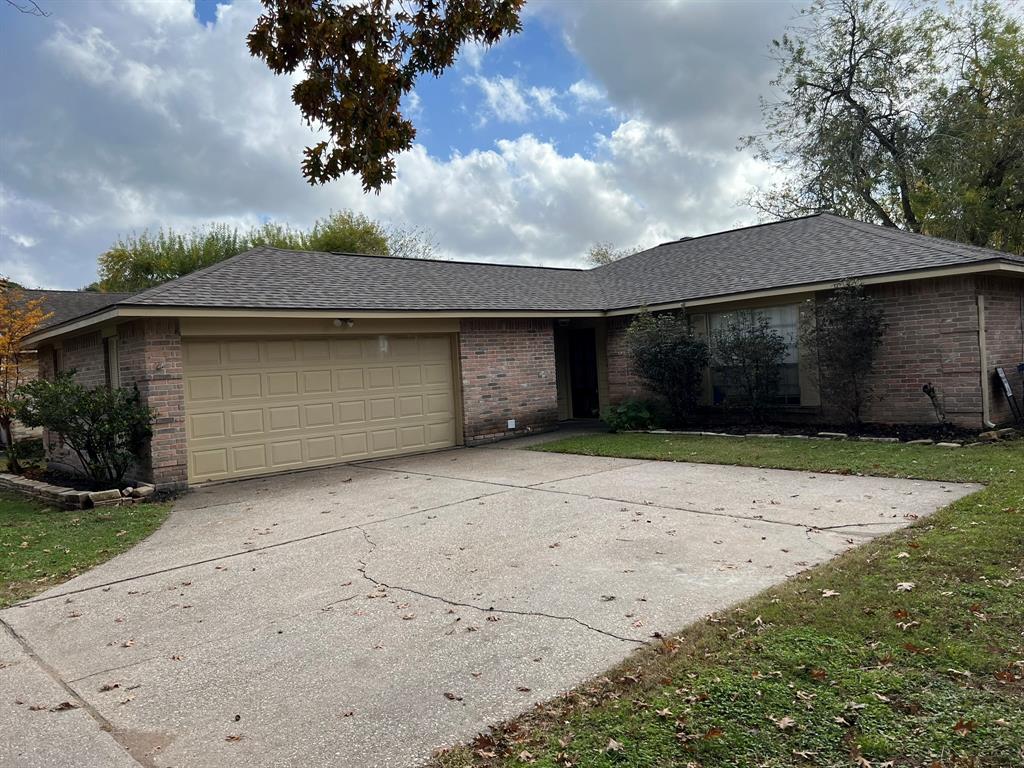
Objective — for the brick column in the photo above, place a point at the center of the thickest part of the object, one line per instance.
(150, 356)
(508, 372)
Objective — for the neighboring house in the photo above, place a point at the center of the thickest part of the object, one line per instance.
(61, 306)
(275, 360)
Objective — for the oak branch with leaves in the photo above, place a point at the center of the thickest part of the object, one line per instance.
(357, 61)
(19, 317)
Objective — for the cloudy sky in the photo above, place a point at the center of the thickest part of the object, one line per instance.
(602, 121)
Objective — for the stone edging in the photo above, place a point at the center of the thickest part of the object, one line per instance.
(69, 498)
(984, 437)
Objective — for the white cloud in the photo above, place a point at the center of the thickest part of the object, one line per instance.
(133, 115)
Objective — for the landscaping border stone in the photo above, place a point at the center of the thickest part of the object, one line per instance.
(984, 437)
(70, 498)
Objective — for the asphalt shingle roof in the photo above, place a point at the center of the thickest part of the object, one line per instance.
(67, 305)
(815, 249)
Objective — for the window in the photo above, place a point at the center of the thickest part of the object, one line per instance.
(110, 364)
(786, 321)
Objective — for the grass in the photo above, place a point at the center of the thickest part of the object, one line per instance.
(41, 546)
(799, 676)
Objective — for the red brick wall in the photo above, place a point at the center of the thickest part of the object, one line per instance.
(622, 383)
(508, 372)
(932, 337)
(1004, 338)
(149, 356)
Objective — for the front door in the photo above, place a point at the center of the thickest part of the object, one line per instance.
(583, 373)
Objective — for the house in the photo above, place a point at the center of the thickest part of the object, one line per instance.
(275, 360)
(60, 306)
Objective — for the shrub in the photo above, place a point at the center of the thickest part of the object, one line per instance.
(632, 414)
(749, 353)
(844, 332)
(105, 427)
(669, 358)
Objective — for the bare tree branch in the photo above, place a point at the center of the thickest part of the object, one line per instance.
(29, 8)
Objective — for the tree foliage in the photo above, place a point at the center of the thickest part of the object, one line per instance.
(19, 318)
(748, 353)
(145, 259)
(602, 253)
(106, 427)
(843, 333)
(357, 60)
(669, 358)
(907, 115)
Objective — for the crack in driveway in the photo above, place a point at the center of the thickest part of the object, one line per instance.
(490, 609)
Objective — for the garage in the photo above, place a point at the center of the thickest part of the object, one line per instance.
(256, 406)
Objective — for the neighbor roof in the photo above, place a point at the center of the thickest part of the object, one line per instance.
(812, 250)
(67, 305)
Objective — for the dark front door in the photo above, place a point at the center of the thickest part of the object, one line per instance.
(583, 373)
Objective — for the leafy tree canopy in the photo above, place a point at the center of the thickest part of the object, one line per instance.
(358, 59)
(909, 115)
(145, 259)
(602, 253)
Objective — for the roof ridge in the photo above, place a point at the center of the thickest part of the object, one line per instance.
(429, 261)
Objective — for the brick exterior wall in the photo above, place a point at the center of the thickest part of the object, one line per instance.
(1004, 339)
(149, 356)
(622, 382)
(932, 337)
(508, 372)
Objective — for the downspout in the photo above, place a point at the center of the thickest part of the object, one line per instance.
(983, 364)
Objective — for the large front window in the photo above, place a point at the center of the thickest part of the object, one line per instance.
(785, 320)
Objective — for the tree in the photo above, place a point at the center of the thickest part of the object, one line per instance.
(748, 353)
(145, 259)
(357, 60)
(904, 115)
(843, 333)
(669, 358)
(602, 253)
(106, 427)
(19, 317)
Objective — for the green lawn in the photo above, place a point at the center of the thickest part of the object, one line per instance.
(837, 667)
(41, 546)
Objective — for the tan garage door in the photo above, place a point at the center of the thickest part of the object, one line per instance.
(266, 405)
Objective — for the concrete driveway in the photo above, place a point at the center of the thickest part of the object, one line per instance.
(366, 615)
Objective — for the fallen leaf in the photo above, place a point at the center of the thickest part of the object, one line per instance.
(905, 586)
(783, 723)
(522, 689)
(64, 706)
(233, 737)
(452, 696)
(964, 728)
(109, 687)
(613, 746)
(829, 593)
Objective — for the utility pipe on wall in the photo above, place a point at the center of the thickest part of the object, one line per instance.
(983, 364)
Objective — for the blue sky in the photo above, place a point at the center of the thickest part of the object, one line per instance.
(602, 121)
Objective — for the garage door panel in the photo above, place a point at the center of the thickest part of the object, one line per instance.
(241, 385)
(382, 408)
(319, 415)
(246, 422)
(249, 457)
(204, 388)
(257, 406)
(207, 425)
(242, 352)
(284, 417)
(351, 412)
(211, 463)
(316, 382)
(349, 379)
(285, 453)
(354, 445)
(282, 383)
(321, 448)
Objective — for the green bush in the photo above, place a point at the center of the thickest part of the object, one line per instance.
(670, 359)
(632, 414)
(105, 427)
(749, 354)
